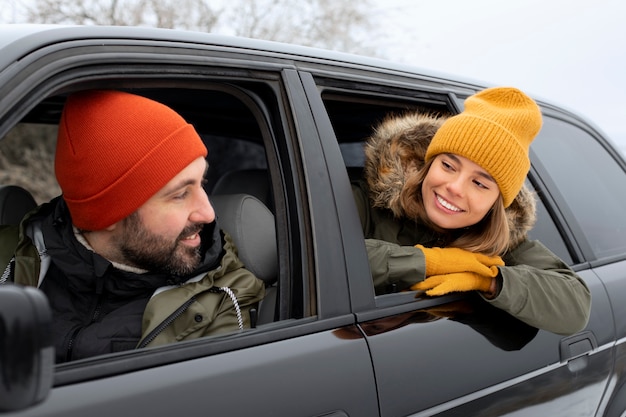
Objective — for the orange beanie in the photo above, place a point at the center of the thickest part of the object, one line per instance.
(115, 150)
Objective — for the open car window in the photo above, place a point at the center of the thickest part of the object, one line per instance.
(237, 120)
(355, 115)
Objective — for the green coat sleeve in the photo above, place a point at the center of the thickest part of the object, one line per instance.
(542, 291)
(537, 287)
(394, 267)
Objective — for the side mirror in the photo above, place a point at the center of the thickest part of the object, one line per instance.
(26, 349)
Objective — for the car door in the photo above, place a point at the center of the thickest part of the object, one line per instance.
(296, 364)
(455, 355)
(585, 176)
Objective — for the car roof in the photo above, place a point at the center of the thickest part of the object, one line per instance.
(17, 40)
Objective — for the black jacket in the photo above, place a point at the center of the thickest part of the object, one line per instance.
(98, 308)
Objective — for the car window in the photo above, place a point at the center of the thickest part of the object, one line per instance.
(27, 159)
(546, 231)
(231, 119)
(589, 180)
(354, 118)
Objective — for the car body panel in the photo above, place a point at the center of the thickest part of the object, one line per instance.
(286, 378)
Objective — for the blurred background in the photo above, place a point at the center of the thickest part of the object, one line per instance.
(569, 52)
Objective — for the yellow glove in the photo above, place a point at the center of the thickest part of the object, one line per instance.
(455, 282)
(441, 261)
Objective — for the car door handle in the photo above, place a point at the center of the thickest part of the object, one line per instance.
(575, 349)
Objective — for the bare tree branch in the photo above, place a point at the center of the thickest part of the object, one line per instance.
(343, 25)
(182, 14)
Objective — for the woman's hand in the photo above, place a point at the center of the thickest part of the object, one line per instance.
(441, 261)
(457, 282)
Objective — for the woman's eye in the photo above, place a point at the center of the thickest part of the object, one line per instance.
(480, 185)
(446, 165)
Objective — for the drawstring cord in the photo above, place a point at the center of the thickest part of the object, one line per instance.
(236, 304)
(154, 333)
(7, 271)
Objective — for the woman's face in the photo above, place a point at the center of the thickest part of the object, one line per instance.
(457, 192)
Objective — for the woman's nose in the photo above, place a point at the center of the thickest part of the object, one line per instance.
(456, 185)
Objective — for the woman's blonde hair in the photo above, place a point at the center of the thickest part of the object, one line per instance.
(489, 236)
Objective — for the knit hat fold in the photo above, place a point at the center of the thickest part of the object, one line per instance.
(495, 131)
(115, 150)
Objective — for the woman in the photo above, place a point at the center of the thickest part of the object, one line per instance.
(451, 213)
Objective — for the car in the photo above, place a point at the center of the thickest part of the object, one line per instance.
(285, 127)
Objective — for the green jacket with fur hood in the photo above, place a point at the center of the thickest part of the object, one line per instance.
(99, 308)
(534, 285)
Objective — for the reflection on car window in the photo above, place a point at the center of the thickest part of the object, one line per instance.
(591, 182)
(547, 233)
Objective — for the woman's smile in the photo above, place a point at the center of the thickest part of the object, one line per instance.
(446, 204)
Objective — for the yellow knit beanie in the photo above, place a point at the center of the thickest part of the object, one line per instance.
(495, 131)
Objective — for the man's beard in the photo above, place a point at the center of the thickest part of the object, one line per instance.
(143, 249)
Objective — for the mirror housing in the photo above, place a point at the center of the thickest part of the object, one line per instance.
(26, 348)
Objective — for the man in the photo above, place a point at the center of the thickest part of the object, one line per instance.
(130, 255)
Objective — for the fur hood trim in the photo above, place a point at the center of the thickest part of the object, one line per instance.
(397, 148)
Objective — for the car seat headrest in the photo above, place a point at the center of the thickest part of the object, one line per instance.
(15, 203)
(252, 227)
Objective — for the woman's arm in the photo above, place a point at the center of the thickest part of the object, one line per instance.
(540, 289)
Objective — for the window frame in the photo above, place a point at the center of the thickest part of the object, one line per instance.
(89, 70)
(582, 251)
(365, 90)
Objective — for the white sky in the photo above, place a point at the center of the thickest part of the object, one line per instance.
(570, 52)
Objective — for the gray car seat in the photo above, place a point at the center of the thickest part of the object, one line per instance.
(252, 227)
(15, 202)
